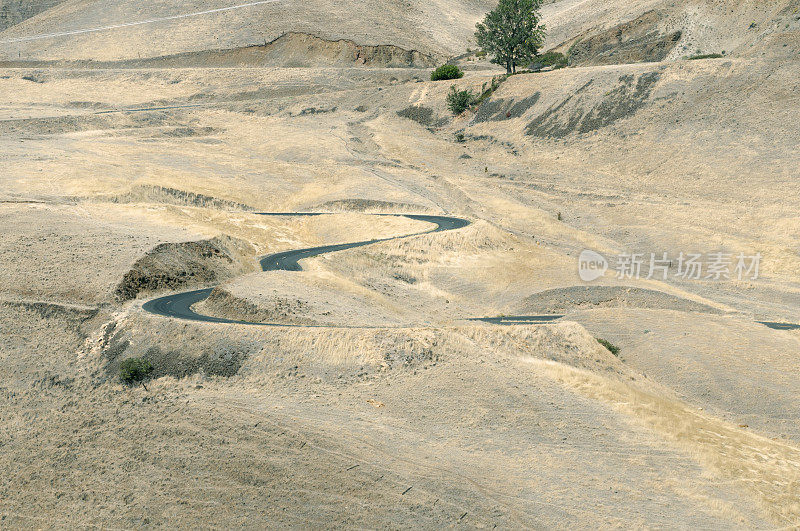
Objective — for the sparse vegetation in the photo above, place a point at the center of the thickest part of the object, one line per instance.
(512, 34)
(459, 101)
(486, 92)
(706, 56)
(447, 71)
(134, 370)
(555, 59)
(609, 346)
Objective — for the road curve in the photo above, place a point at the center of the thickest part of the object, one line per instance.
(179, 305)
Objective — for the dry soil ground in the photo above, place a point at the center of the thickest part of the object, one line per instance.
(121, 182)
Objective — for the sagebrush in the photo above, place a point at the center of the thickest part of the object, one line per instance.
(459, 101)
(134, 370)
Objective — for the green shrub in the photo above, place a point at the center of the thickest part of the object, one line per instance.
(134, 370)
(486, 93)
(459, 101)
(609, 346)
(554, 59)
(447, 72)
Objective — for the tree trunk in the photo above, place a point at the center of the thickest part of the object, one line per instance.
(514, 66)
(508, 67)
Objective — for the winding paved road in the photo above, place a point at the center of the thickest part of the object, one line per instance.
(179, 305)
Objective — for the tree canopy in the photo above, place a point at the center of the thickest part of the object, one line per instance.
(512, 33)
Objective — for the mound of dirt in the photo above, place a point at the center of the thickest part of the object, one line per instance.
(564, 300)
(177, 265)
(222, 303)
(211, 357)
(422, 115)
(59, 125)
(289, 50)
(502, 109)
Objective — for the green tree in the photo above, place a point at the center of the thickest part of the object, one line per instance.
(512, 34)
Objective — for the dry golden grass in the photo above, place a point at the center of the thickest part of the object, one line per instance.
(767, 468)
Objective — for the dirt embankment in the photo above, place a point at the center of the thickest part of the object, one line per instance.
(296, 50)
(178, 265)
(579, 112)
(289, 50)
(369, 206)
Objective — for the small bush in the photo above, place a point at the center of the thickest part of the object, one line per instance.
(447, 72)
(486, 93)
(459, 101)
(134, 370)
(706, 56)
(554, 59)
(609, 346)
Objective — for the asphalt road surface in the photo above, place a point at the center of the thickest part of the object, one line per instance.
(179, 305)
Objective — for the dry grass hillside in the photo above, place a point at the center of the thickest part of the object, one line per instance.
(364, 393)
(439, 27)
(643, 30)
